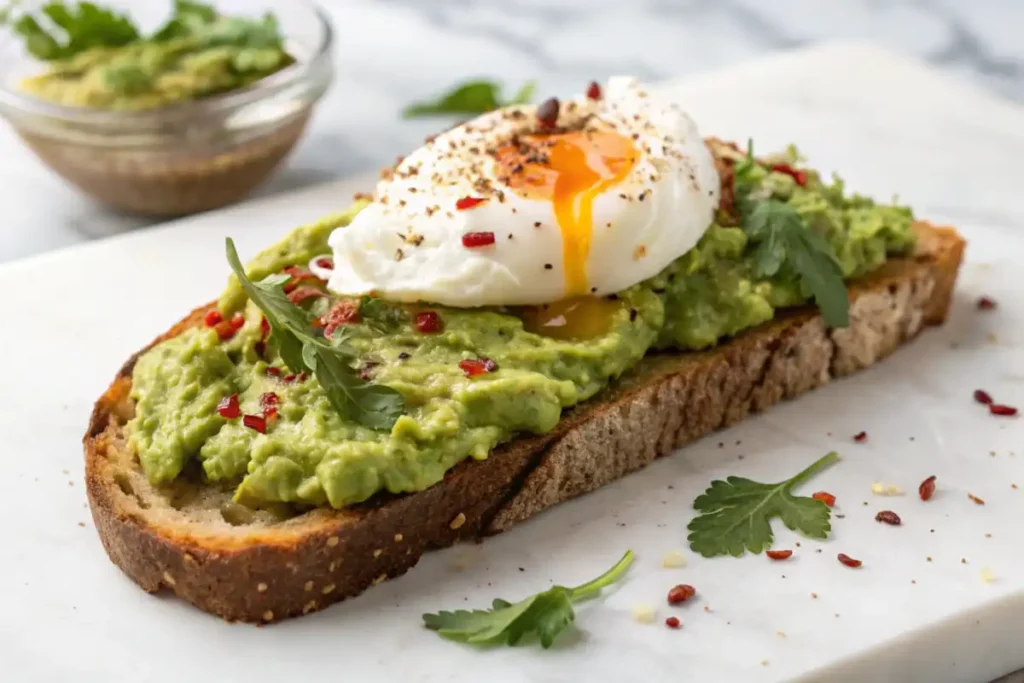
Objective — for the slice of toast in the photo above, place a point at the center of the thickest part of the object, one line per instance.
(251, 566)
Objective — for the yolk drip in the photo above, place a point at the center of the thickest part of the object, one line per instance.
(571, 170)
(578, 318)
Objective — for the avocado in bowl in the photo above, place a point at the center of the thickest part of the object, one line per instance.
(163, 112)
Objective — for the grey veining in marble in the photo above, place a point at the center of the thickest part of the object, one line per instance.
(392, 51)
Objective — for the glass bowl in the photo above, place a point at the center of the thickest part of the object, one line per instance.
(184, 158)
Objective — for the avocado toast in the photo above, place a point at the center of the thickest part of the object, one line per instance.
(260, 482)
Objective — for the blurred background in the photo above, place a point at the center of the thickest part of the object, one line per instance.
(391, 52)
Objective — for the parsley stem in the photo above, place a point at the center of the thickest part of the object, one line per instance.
(817, 466)
(609, 577)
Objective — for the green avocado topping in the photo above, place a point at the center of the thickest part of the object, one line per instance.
(339, 399)
(99, 59)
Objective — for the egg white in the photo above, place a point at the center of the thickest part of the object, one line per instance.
(407, 244)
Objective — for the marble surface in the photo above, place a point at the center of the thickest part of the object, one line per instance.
(392, 51)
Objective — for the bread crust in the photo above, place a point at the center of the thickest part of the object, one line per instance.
(264, 570)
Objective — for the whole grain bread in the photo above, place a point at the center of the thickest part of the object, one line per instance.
(252, 566)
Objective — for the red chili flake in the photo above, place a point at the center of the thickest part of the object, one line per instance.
(681, 593)
(256, 422)
(273, 371)
(799, 176)
(468, 202)
(288, 379)
(778, 554)
(212, 318)
(473, 366)
(477, 239)
(888, 517)
(672, 622)
(547, 113)
(226, 328)
(298, 275)
(300, 294)
(982, 396)
(594, 91)
(860, 437)
(927, 488)
(228, 407)
(429, 322)
(975, 499)
(825, 497)
(345, 312)
(1004, 410)
(325, 262)
(260, 348)
(264, 327)
(849, 561)
(986, 303)
(269, 402)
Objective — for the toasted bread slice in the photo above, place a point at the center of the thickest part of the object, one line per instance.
(250, 566)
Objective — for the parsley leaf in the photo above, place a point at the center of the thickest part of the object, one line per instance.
(379, 315)
(475, 97)
(781, 237)
(545, 614)
(188, 18)
(79, 28)
(735, 514)
(291, 333)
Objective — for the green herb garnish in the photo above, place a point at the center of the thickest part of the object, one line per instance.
(545, 614)
(476, 97)
(735, 514)
(80, 27)
(783, 240)
(304, 348)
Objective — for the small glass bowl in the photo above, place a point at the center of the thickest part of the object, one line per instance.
(184, 158)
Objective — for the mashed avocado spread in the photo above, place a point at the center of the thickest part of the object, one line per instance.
(473, 378)
(100, 60)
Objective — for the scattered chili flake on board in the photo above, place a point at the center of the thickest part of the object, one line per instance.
(860, 437)
(468, 202)
(982, 396)
(927, 488)
(672, 622)
(986, 303)
(778, 554)
(228, 407)
(975, 499)
(471, 240)
(825, 497)
(681, 593)
(1002, 410)
(888, 517)
(849, 561)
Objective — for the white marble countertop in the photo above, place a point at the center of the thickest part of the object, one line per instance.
(392, 51)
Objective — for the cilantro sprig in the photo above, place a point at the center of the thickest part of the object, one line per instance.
(78, 28)
(66, 29)
(735, 514)
(474, 97)
(544, 614)
(304, 349)
(783, 239)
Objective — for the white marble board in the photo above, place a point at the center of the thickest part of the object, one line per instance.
(71, 317)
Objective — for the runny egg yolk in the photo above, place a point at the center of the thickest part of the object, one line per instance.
(582, 317)
(570, 170)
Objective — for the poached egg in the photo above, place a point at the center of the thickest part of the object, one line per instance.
(535, 204)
